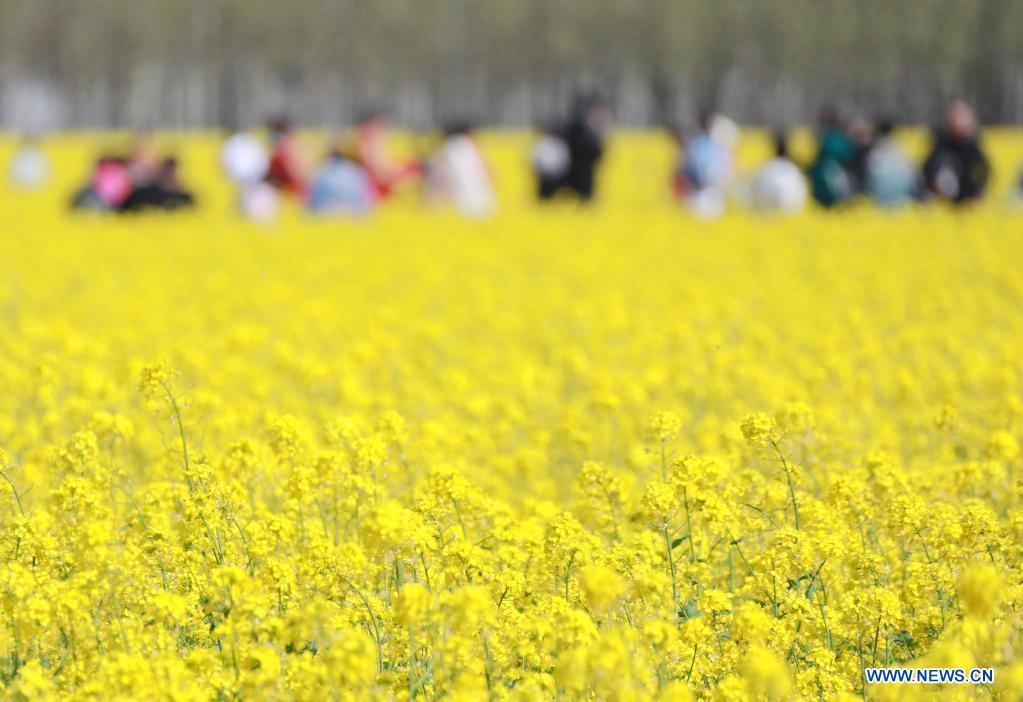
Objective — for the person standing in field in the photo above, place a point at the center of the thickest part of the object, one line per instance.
(957, 170)
(583, 138)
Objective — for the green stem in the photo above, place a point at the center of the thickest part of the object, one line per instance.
(689, 525)
(611, 510)
(671, 565)
(568, 573)
(788, 478)
(818, 596)
(181, 423)
(372, 619)
(692, 663)
(17, 497)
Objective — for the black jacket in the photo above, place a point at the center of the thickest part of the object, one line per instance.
(956, 169)
(585, 147)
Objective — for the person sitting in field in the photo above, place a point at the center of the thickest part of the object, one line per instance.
(458, 173)
(144, 158)
(957, 170)
(861, 135)
(681, 186)
(285, 170)
(163, 192)
(371, 150)
(340, 186)
(246, 162)
(29, 168)
(243, 158)
(705, 167)
(109, 186)
(830, 180)
(779, 185)
(890, 175)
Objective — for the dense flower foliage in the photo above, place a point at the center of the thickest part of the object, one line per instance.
(608, 455)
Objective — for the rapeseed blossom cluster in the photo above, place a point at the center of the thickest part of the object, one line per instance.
(551, 456)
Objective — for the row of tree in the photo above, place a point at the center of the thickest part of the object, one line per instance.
(207, 62)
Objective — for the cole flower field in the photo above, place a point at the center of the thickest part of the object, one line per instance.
(617, 454)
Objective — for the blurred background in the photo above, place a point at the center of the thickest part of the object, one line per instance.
(203, 63)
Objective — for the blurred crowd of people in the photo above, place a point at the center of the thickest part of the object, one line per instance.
(143, 179)
(357, 175)
(855, 159)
